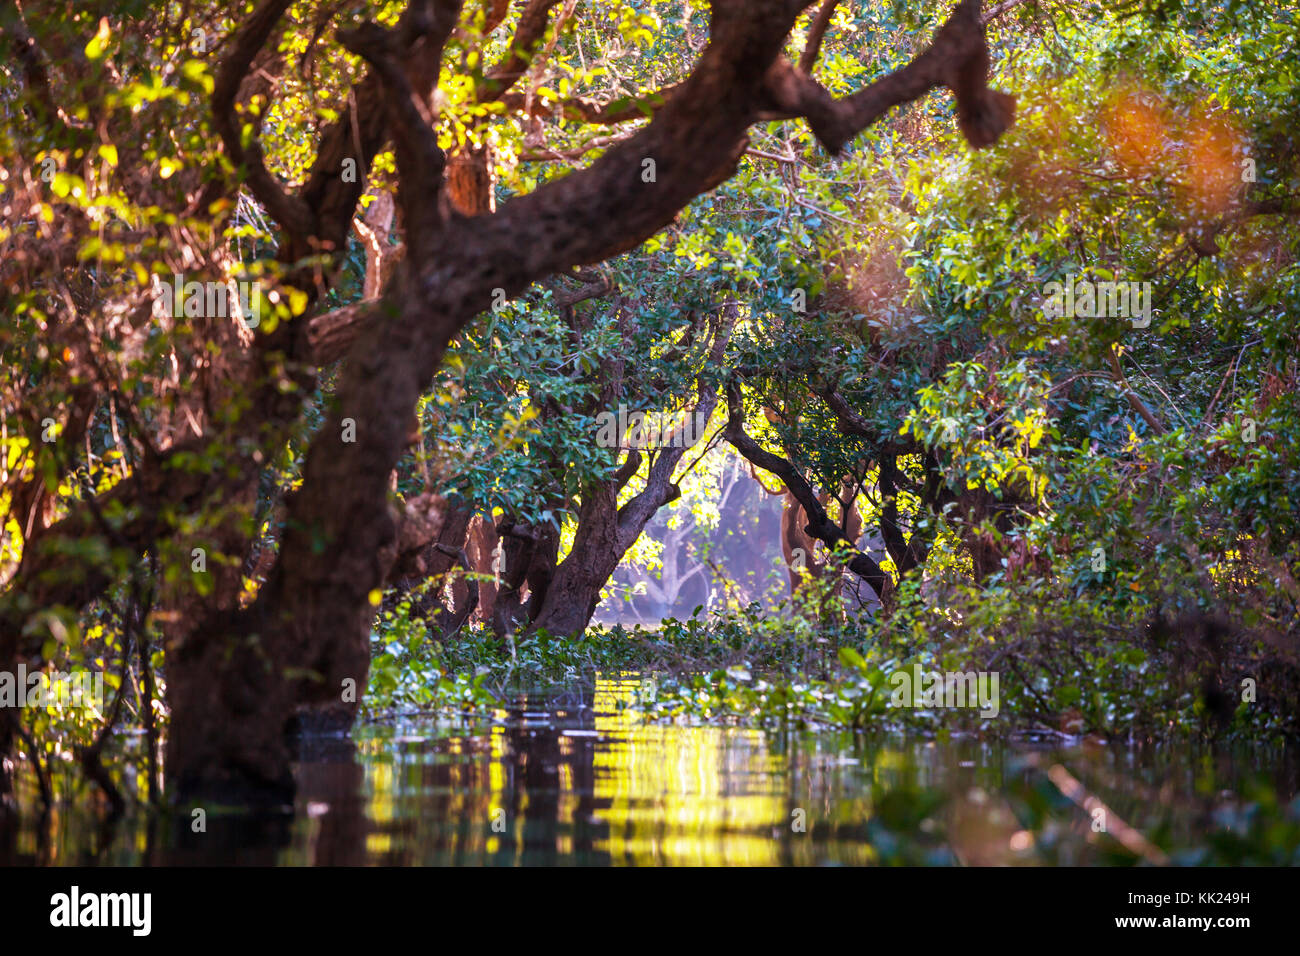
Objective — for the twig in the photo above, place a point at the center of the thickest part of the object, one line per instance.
(38, 765)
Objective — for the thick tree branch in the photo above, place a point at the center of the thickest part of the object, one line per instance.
(908, 552)
(957, 58)
(496, 12)
(850, 422)
(410, 120)
(820, 526)
(659, 488)
(631, 465)
(446, 627)
(528, 35)
(816, 33)
(294, 215)
(363, 128)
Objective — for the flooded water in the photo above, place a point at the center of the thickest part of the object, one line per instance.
(583, 782)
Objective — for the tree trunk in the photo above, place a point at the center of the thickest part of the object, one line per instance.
(597, 549)
(481, 545)
(471, 180)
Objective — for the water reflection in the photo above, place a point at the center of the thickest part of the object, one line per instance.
(580, 781)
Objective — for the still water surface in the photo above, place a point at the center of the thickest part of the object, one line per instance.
(581, 781)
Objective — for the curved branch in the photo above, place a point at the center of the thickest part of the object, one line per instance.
(820, 525)
(294, 215)
(957, 58)
(409, 115)
(850, 422)
(780, 492)
(816, 33)
(529, 33)
(660, 489)
(495, 13)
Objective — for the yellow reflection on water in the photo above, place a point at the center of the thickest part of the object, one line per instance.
(684, 795)
(546, 787)
(594, 785)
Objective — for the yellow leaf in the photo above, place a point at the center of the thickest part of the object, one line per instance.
(109, 153)
(95, 48)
